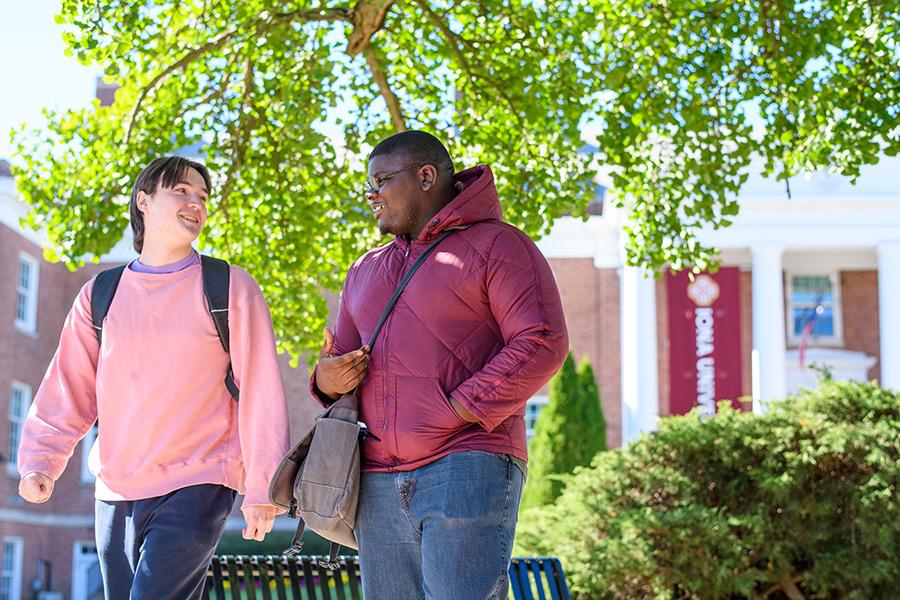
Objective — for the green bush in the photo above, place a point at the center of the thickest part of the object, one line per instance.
(569, 431)
(798, 503)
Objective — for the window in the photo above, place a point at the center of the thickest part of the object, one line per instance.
(19, 401)
(532, 410)
(11, 573)
(86, 444)
(814, 302)
(27, 293)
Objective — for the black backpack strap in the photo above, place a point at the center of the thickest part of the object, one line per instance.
(102, 293)
(216, 278)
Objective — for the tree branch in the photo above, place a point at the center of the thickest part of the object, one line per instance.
(332, 14)
(788, 585)
(451, 38)
(380, 77)
(214, 44)
(322, 14)
(238, 138)
(219, 92)
(368, 17)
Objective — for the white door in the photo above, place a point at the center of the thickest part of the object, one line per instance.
(86, 581)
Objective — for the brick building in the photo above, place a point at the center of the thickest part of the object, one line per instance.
(833, 248)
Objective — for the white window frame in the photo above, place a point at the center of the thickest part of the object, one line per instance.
(836, 306)
(86, 444)
(538, 401)
(81, 563)
(16, 573)
(28, 324)
(12, 468)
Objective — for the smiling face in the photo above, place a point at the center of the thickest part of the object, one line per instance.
(397, 194)
(175, 216)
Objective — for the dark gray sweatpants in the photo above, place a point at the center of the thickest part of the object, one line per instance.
(159, 548)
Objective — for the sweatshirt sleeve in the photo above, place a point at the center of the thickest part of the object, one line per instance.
(525, 303)
(346, 339)
(65, 406)
(263, 424)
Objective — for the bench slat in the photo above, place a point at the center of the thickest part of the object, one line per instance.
(301, 578)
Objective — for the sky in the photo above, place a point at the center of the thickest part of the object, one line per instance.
(36, 73)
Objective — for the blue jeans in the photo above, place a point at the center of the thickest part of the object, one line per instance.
(159, 548)
(442, 531)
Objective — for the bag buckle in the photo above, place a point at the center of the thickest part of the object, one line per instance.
(364, 432)
(331, 565)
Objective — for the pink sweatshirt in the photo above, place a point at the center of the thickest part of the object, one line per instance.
(166, 420)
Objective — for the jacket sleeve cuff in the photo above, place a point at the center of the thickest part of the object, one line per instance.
(44, 467)
(485, 420)
(253, 504)
(319, 397)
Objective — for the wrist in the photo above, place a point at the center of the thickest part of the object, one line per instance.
(323, 394)
(461, 411)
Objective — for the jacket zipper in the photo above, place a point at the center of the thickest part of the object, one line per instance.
(384, 382)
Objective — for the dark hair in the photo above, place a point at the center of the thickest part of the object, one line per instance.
(166, 171)
(418, 146)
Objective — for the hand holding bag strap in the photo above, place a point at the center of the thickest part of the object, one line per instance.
(415, 266)
(346, 406)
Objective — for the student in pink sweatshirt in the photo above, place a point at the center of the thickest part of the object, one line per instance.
(173, 447)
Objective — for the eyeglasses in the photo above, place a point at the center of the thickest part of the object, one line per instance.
(375, 184)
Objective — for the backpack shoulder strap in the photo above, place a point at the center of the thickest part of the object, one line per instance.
(102, 293)
(216, 278)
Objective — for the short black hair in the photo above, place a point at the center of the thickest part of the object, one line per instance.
(419, 146)
(166, 171)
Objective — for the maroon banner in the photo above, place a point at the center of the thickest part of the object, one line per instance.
(704, 340)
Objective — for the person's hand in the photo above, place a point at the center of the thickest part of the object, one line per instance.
(337, 375)
(259, 521)
(36, 487)
(462, 411)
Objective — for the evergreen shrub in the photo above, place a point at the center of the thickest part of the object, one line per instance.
(799, 503)
(569, 431)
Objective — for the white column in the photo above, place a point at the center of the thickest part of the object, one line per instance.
(888, 315)
(768, 324)
(640, 375)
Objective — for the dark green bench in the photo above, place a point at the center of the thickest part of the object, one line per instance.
(301, 578)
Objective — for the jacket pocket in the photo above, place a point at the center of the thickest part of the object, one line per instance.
(425, 420)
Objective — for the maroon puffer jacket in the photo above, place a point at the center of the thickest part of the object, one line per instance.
(481, 321)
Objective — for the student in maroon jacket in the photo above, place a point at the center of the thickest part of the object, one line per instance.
(477, 332)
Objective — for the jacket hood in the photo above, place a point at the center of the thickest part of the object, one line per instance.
(476, 201)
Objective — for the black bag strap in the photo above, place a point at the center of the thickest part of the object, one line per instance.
(216, 276)
(102, 293)
(297, 543)
(332, 563)
(216, 279)
(400, 286)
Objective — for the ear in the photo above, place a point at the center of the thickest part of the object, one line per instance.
(143, 200)
(427, 177)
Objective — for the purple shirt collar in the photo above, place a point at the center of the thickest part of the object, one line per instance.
(192, 259)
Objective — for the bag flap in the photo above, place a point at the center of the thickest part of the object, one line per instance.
(281, 487)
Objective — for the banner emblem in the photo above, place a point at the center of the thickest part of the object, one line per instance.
(703, 291)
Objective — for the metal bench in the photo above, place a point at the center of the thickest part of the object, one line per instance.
(301, 578)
